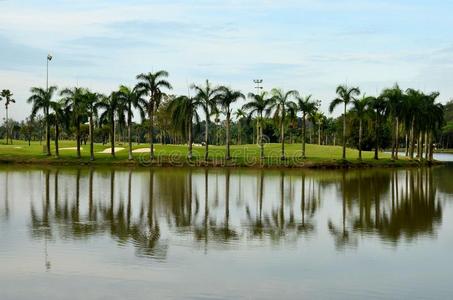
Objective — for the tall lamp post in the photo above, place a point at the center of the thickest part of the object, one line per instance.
(258, 87)
(49, 58)
(257, 82)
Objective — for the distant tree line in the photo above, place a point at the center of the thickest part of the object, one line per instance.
(409, 121)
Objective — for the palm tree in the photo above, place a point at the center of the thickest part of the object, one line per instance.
(319, 119)
(111, 106)
(207, 97)
(360, 110)
(257, 106)
(152, 84)
(228, 97)
(435, 121)
(59, 116)
(183, 110)
(8, 96)
(308, 108)
(131, 98)
(41, 101)
(280, 104)
(345, 96)
(74, 100)
(91, 100)
(377, 106)
(240, 114)
(394, 98)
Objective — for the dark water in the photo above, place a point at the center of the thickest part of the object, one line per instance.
(226, 234)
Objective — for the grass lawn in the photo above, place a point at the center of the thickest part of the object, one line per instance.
(242, 155)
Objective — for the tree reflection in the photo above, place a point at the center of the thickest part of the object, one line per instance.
(144, 208)
(6, 212)
(377, 204)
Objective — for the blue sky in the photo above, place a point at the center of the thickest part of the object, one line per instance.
(308, 45)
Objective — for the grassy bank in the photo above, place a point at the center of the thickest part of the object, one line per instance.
(175, 155)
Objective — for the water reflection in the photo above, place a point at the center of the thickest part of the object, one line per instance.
(220, 208)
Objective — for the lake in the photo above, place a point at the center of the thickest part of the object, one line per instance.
(225, 233)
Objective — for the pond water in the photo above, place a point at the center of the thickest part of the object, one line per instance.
(225, 234)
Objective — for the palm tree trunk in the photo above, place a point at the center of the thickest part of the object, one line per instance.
(420, 145)
(304, 133)
(239, 133)
(91, 137)
(376, 147)
(258, 124)
(7, 126)
(427, 141)
(260, 139)
(282, 136)
(57, 134)
(319, 134)
(228, 135)
(129, 129)
(151, 128)
(112, 136)
(206, 135)
(78, 137)
(189, 155)
(407, 145)
(412, 138)
(360, 139)
(48, 133)
(344, 133)
(397, 138)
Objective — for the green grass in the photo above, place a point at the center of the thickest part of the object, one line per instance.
(242, 155)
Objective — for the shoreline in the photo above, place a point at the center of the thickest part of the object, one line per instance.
(172, 162)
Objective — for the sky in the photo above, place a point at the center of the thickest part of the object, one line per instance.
(308, 45)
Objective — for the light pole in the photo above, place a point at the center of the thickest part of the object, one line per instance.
(258, 82)
(49, 58)
(258, 88)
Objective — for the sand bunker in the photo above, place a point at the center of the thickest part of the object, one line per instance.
(141, 150)
(109, 150)
(70, 148)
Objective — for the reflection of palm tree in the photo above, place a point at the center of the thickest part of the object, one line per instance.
(206, 209)
(304, 226)
(6, 195)
(91, 212)
(342, 237)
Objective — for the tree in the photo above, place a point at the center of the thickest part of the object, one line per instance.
(59, 116)
(40, 100)
(8, 96)
(280, 104)
(434, 121)
(257, 106)
(131, 98)
(111, 106)
(74, 100)
(240, 114)
(345, 96)
(412, 107)
(207, 97)
(308, 108)
(319, 119)
(152, 84)
(183, 110)
(91, 100)
(394, 98)
(377, 106)
(228, 97)
(359, 111)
